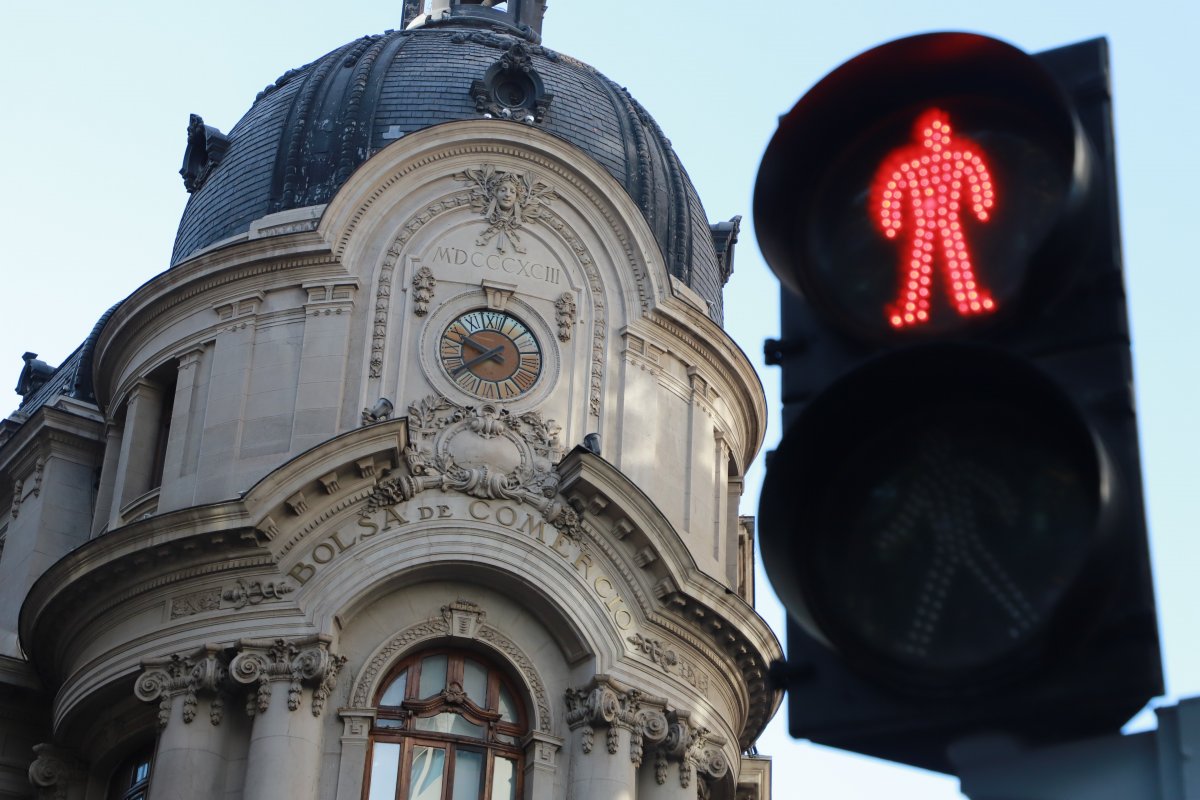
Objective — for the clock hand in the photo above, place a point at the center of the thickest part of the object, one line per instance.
(494, 353)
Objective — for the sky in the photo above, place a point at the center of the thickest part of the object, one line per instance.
(96, 98)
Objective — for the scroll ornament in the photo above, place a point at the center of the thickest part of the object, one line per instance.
(299, 662)
(203, 671)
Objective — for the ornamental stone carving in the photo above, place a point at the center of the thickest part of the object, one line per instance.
(484, 452)
(203, 671)
(507, 200)
(301, 662)
(564, 315)
(423, 284)
(56, 772)
(605, 703)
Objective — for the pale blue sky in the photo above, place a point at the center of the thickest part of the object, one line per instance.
(96, 101)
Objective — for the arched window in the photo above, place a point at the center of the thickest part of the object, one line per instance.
(131, 779)
(449, 727)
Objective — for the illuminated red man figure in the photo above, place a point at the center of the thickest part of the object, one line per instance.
(929, 180)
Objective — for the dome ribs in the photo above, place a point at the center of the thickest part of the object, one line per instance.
(355, 124)
(679, 240)
(294, 179)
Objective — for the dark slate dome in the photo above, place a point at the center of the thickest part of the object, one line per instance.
(307, 132)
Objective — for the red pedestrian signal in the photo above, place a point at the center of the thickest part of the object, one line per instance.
(924, 186)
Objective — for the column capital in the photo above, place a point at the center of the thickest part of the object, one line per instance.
(301, 662)
(604, 702)
(56, 772)
(188, 674)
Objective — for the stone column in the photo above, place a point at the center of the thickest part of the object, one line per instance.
(57, 773)
(189, 760)
(292, 680)
(606, 768)
(138, 442)
(108, 478)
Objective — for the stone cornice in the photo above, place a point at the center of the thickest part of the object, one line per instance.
(50, 429)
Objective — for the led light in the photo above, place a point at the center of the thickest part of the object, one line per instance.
(932, 173)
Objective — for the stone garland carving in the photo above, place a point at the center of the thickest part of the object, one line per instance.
(564, 315)
(670, 661)
(39, 469)
(18, 498)
(423, 284)
(165, 678)
(435, 421)
(299, 662)
(53, 771)
(195, 603)
(506, 200)
(255, 592)
(383, 294)
(235, 597)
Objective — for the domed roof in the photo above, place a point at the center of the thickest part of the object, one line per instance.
(307, 132)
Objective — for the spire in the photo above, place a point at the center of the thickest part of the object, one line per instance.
(521, 14)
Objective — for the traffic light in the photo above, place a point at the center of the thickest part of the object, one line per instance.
(954, 516)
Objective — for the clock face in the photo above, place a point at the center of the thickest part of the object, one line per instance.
(490, 354)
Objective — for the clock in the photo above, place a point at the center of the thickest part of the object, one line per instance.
(490, 354)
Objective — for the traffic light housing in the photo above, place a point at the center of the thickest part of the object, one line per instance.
(954, 517)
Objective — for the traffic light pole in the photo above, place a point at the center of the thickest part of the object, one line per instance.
(1155, 765)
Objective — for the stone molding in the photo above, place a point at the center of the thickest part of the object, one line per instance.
(306, 662)
(201, 671)
(57, 773)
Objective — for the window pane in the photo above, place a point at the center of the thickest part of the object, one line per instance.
(449, 723)
(475, 682)
(428, 764)
(385, 766)
(387, 722)
(433, 676)
(468, 774)
(508, 708)
(504, 780)
(394, 695)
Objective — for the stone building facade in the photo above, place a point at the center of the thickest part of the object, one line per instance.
(417, 474)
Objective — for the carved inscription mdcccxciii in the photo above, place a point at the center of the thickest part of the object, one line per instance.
(516, 266)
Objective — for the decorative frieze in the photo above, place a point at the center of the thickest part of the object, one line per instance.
(300, 662)
(253, 593)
